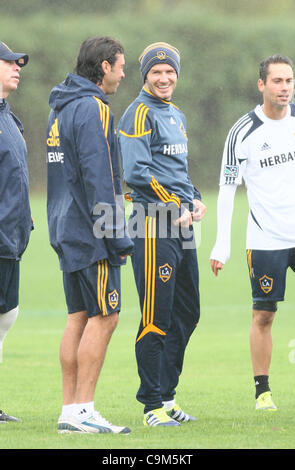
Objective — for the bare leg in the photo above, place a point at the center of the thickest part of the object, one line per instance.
(91, 354)
(261, 341)
(68, 354)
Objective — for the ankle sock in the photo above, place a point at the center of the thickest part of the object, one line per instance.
(67, 410)
(261, 384)
(84, 410)
(168, 405)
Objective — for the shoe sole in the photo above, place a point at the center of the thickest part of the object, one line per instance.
(10, 421)
(67, 430)
(177, 424)
(266, 409)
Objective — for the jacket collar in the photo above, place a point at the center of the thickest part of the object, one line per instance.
(153, 99)
(3, 104)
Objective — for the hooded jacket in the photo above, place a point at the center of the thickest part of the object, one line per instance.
(84, 195)
(15, 212)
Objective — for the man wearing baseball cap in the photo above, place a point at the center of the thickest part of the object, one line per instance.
(7, 54)
(15, 214)
(153, 144)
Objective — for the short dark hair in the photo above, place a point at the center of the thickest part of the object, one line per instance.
(273, 59)
(93, 52)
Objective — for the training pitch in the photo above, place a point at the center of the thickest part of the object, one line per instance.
(216, 385)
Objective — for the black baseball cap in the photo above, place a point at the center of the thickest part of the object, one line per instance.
(19, 57)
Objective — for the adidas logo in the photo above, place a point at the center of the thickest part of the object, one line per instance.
(265, 146)
(53, 139)
(172, 120)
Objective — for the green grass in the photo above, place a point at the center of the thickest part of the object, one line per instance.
(216, 384)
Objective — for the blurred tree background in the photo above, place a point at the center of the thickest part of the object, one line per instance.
(222, 43)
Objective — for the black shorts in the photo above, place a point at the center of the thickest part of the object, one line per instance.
(96, 289)
(267, 270)
(9, 284)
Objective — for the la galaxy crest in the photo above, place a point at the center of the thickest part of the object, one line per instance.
(165, 272)
(266, 283)
(161, 55)
(113, 298)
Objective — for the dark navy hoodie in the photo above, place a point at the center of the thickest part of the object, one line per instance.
(83, 176)
(15, 213)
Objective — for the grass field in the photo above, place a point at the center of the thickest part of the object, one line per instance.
(216, 385)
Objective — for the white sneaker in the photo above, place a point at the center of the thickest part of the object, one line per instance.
(4, 418)
(95, 424)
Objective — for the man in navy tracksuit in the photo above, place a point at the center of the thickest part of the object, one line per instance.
(86, 224)
(153, 144)
(15, 213)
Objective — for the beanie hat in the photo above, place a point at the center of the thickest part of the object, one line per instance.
(159, 53)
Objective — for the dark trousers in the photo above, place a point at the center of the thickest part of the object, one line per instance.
(167, 280)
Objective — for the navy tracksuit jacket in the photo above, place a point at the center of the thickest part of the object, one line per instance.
(15, 212)
(82, 172)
